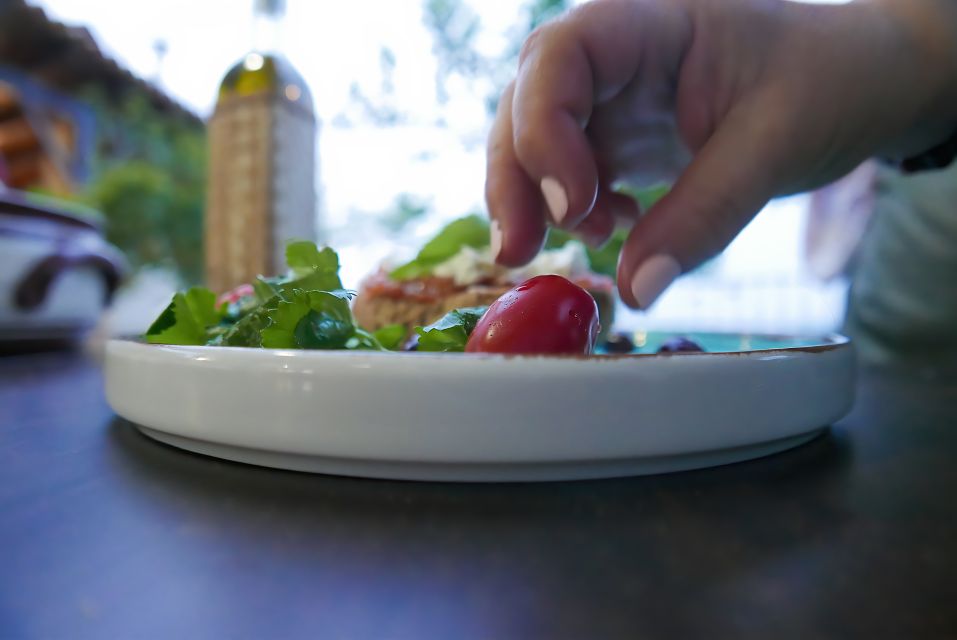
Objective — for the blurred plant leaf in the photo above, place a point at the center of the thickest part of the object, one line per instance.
(187, 320)
(310, 320)
(408, 208)
(149, 176)
(470, 231)
(645, 196)
(451, 332)
(391, 337)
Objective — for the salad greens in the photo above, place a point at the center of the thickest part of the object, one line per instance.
(605, 259)
(188, 319)
(473, 231)
(305, 309)
(308, 309)
(470, 231)
(310, 320)
(391, 337)
(645, 197)
(309, 270)
(452, 331)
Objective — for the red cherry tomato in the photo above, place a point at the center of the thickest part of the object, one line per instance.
(547, 314)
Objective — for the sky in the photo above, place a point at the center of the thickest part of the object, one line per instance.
(363, 168)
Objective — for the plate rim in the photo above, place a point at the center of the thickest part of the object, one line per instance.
(822, 344)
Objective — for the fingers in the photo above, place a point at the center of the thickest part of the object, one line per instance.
(552, 103)
(730, 180)
(541, 165)
(564, 68)
(597, 227)
(514, 202)
(610, 210)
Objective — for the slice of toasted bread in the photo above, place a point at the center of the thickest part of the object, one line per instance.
(376, 311)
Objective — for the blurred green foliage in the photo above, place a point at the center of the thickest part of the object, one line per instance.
(406, 209)
(455, 27)
(149, 179)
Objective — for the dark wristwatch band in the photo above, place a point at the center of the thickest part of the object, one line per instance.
(939, 157)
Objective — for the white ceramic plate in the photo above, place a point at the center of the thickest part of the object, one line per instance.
(464, 417)
(483, 418)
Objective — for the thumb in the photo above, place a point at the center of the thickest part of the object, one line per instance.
(729, 180)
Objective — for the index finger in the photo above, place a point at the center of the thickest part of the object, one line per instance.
(570, 66)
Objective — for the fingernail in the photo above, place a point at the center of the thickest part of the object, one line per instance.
(495, 239)
(555, 198)
(652, 277)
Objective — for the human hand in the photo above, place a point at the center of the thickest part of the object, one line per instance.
(738, 101)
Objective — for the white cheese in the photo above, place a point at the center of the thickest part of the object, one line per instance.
(568, 261)
(469, 265)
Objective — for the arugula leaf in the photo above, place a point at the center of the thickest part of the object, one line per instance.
(557, 238)
(247, 330)
(304, 257)
(646, 196)
(452, 331)
(470, 231)
(391, 337)
(201, 303)
(363, 340)
(605, 259)
(192, 318)
(312, 269)
(266, 288)
(188, 319)
(310, 320)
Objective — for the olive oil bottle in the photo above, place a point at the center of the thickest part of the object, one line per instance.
(263, 166)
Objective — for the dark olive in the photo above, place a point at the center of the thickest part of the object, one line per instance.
(618, 342)
(680, 344)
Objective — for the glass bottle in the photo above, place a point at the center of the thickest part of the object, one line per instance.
(263, 163)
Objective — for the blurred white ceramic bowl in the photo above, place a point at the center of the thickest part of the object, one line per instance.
(57, 273)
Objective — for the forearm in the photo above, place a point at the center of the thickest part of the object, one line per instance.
(926, 32)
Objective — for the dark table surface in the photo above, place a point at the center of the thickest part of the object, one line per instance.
(105, 533)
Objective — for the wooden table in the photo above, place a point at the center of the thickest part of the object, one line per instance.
(105, 533)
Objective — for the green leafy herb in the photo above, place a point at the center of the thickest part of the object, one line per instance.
(306, 309)
(304, 257)
(247, 331)
(310, 320)
(266, 288)
(647, 196)
(470, 231)
(605, 259)
(451, 332)
(364, 340)
(312, 269)
(391, 337)
(188, 319)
